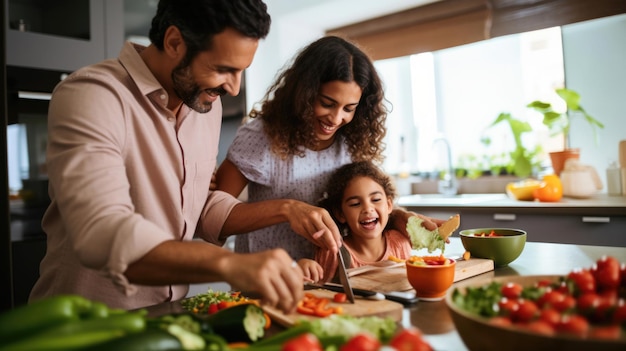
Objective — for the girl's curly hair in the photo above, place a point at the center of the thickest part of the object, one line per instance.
(287, 107)
(339, 180)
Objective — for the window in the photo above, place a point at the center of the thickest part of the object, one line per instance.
(458, 92)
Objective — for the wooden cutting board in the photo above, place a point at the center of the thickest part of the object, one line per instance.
(361, 307)
(394, 279)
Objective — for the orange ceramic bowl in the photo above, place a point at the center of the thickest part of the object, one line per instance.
(431, 282)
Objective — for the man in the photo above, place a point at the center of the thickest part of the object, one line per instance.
(132, 147)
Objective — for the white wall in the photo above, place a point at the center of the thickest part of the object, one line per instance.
(595, 66)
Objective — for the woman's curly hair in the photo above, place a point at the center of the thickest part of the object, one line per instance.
(287, 108)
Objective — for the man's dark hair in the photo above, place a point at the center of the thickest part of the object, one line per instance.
(199, 20)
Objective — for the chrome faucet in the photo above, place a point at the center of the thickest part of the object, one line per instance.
(447, 184)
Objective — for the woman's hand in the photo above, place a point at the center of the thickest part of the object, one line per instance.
(315, 224)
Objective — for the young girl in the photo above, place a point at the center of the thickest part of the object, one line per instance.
(359, 196)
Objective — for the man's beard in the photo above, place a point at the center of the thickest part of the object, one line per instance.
(188, 91)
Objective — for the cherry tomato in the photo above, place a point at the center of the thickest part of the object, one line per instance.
(340, 297)
(619, 315)
(574, 324)
(508, 307)
(606, 271)
(303, 342)
(550, 316)
(512, 290)
(550, 298)
(541, 327)
(610, 332)
(409, 339)
(526, 312)
(501, 321)
(583, 280)
(588, 302)
(622, 275)
(568, 302)
(361, 342)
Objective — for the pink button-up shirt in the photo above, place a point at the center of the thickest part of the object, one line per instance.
(125, 175)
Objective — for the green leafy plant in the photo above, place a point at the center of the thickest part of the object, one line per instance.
(522, 160)
(559, 122)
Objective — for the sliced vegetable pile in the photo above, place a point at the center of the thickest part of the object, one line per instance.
(588, 302)
(344, 333)
(71, 322)
(429, 261)
(213, 301)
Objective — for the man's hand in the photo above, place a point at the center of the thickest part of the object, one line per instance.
(271, 275)
(315, 224)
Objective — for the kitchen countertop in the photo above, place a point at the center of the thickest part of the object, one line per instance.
(598, 204)
(433, 318)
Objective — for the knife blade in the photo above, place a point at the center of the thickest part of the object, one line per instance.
(343, 277)
(368, 294)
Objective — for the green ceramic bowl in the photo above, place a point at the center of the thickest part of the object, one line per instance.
(503, 248)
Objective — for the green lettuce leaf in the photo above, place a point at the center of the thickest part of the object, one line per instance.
(422, 238)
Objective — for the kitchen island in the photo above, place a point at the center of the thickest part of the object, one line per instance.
(433, 318)
(598, 220)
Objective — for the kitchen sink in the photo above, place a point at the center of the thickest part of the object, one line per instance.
(458, 199)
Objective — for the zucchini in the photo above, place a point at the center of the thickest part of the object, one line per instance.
(147, 340)
(239, 323)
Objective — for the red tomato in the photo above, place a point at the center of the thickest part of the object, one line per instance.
(540, 327)
(567, 303)
(583, 280)
(622, 275)
(574, 324)
(501, 321)
(588, 302)
(508, 307)
(361, 342)
(340, 297)
(550, 298)
(409, 339)
(303, 342)
(610, 332)
(550, 316)
(607, 273)
(526, 312)
(619, 315)
(512, 290)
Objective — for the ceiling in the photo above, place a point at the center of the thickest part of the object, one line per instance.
(329, 14)
(318, 14)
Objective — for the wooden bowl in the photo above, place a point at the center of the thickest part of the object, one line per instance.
(431, 282)
(478, 334)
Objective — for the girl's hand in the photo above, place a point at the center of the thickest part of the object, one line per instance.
(311, 270)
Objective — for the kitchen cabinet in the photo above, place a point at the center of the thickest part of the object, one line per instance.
(63, 34)
(600, 220)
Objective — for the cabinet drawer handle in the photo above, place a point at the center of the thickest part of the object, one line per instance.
(504, 217)
(596, 219)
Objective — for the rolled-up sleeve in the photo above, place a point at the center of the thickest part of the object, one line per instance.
(215, 212)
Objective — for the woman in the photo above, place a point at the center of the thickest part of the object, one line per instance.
(325, 110)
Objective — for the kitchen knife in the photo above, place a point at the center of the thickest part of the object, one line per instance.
(368, 294)
(343, 276)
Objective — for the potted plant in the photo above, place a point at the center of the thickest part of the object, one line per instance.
(558, 122)
(522, 160)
